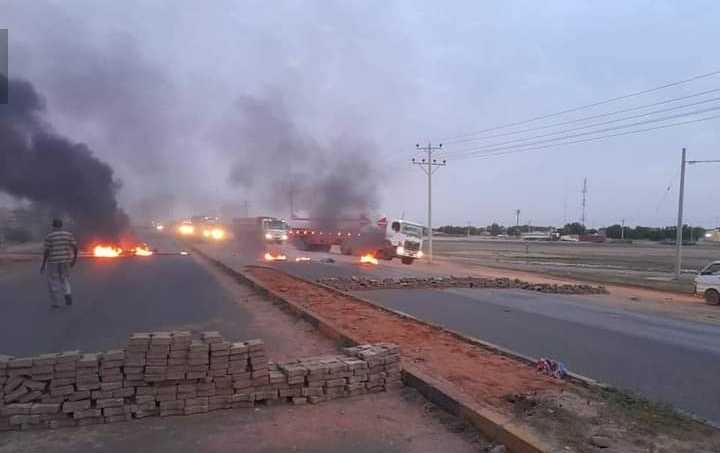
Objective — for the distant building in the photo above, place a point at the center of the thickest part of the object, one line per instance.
(713, 235)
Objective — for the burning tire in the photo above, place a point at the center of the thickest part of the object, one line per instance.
(712, 297)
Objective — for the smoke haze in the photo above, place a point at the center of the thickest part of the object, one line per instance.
(53, 171)
(199, 107)
(276, 159)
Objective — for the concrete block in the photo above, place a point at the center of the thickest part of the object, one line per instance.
(109, 402)
(79, 395)
(86, 413)
(13, 384)
(16, 409)
(16, 394)
(62, 391)
(189, 410)
(41, 408)
(34, 385)
(75, 406)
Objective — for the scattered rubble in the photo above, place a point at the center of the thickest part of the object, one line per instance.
(170, 373)
(365, 283)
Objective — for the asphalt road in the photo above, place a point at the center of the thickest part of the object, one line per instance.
(113, 298)
(667, 360)
(662, 359)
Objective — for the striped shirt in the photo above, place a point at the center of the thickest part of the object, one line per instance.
(59, 246)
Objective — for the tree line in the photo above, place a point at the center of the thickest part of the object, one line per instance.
(690, 233)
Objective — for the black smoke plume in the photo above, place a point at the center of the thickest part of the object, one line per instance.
(327, 181)
(38, 164)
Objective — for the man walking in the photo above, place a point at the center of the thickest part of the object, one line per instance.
(60, 255)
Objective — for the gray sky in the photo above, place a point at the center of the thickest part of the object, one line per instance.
(161, 90)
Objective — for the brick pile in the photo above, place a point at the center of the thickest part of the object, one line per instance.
(365, 283)
(365, 369)
(172, 373)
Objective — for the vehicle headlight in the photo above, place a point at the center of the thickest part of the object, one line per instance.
(420, 254)
(186, 229)
(268, 236)
(217, 233)
(400, 250)
(284, 237)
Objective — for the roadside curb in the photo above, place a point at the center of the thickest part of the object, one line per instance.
(494, 426)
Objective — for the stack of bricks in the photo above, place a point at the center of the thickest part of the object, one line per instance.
(383, 361)
(365, 369)
(170, 373)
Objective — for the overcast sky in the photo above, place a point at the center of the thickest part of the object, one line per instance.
(162, 89)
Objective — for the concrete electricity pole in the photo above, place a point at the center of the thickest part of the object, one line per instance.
(622, 230)
(517, 218)
(427, 166)
(584, 196)
(679, 232)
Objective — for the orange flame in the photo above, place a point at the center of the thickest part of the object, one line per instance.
(270, 257)
(368, 259)
(143, 250)
(107, 251)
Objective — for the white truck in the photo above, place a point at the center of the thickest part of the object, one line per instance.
(707, 283)
(262, 229)
(388, 240)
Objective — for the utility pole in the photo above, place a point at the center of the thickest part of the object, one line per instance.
(469, 224)
(517, 217)
(427, 166)
(584, 199)
(622, 230)
(678, 233)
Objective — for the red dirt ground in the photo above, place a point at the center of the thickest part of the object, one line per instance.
(487, 377)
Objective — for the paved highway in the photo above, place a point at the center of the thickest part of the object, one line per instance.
(114, 297)
(664, 359)
(661, 358)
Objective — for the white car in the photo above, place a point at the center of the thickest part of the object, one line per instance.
(707, 283)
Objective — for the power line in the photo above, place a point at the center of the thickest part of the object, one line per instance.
(587, 118)
(587, 106)
(607, 129)
(427, 167)
(564, 131)
(587, 140)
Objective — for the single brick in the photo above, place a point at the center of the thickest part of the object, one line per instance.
(16, 394)
(41, 408)
(75, 406)
(86, 413)
(16, 409)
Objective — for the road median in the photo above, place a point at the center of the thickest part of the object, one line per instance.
(497, 391)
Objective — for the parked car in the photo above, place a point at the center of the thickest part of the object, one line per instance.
(707, 283)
